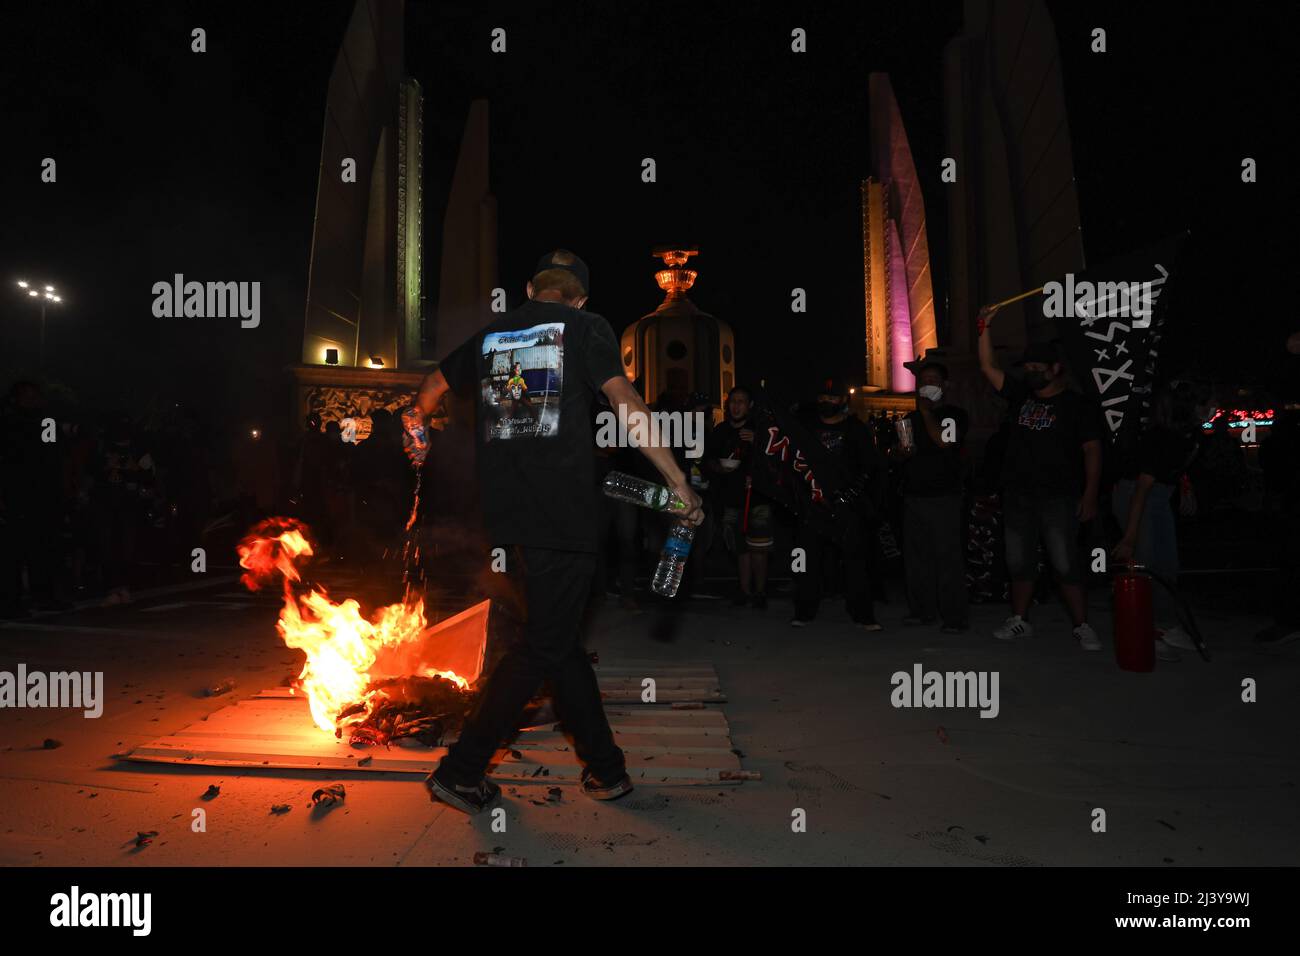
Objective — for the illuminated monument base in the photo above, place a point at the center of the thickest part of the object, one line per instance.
(336, 393)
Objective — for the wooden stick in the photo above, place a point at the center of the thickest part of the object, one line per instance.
(1017, 298)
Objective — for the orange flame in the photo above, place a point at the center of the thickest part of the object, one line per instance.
(342, 646)
(273, 545)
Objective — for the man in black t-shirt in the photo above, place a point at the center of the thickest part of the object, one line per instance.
(933, 557)
(746, 514)
(1051, 469)
(537, 477)
(850, 447)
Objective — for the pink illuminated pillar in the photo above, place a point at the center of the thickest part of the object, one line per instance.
(900, 316)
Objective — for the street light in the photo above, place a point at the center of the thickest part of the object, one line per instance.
(48, 297)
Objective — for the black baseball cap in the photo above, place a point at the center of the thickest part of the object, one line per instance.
(577, 267)
(1045, 353)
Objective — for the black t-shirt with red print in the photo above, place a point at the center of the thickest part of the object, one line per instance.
(1044, 450)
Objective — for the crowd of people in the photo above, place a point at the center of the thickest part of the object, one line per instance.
(931, 530)
(1049, 489)
(84, 500)
(95, 506)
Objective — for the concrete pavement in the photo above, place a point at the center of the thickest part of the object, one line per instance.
(1186, 772)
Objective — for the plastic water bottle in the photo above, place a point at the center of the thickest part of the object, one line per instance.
(672, 560)
(638, 491)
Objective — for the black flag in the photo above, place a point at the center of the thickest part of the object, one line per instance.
(1111, 319)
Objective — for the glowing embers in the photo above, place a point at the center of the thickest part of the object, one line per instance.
(371, 675)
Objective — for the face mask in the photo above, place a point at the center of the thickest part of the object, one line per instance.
(828, 409)
(1037, 380)
(931, 392)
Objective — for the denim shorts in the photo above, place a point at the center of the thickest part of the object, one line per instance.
(1026, 519)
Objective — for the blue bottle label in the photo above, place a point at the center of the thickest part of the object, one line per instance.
(678, 547)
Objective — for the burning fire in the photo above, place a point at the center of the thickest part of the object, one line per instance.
(346, 652)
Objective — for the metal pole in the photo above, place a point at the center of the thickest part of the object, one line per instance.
(41, 366)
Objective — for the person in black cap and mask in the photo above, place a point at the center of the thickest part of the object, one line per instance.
(850, 445)
(934, 559)
(537, 478)
(1051, 469)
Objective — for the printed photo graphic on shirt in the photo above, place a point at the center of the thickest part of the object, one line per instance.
(522, 382)
(1037, 415)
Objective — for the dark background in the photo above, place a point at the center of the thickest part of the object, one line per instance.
(170, 161)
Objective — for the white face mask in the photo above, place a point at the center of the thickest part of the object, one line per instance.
(931, 392)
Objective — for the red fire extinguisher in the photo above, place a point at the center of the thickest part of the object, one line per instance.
(1135, 635)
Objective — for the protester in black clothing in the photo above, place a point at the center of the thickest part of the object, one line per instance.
(933, 542)
(1279, 457)
(125, 483)
(539, 499)
(309, 472)
(1051, 470)
(699, 409)
(850, 447)
(1143, 504)
(383, 487)
(31, 503)
(746, 514)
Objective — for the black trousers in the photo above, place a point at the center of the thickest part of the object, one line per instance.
(1287, 608)
(556, 584)
(621, 518)
(934, 557)
(824, 558)
(29, 537)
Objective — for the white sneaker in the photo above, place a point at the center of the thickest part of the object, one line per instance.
(1013, 627)
(1177, 637)
(1087, 637)
(1165, 652)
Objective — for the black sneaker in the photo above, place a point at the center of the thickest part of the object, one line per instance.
(954, 628)
(739, 599)
(759, 601)
(593, 788)
(470, 800)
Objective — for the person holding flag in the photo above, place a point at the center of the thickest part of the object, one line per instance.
(1051, 473)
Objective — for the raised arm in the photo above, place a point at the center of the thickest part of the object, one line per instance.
(625, 402)
(988, 363)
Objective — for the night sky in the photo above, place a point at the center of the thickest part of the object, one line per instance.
(171, 161)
